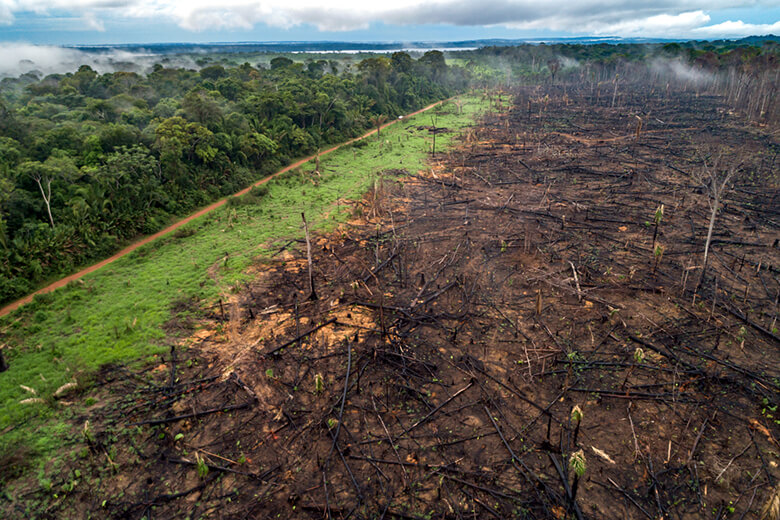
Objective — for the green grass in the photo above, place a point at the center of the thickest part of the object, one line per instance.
(116, 314)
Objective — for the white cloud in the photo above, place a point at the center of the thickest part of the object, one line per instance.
(92, 22)
(658, 25)
(737, 29)
(614, 17)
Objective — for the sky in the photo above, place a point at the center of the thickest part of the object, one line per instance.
(93, 22)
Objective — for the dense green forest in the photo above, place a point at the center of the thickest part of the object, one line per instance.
(90, 161)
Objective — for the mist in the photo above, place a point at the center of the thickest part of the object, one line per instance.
(682, 72)
(20, 58)
(567, 63)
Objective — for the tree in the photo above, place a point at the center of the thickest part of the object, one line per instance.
(257, 145)
(280, 62)
(375, 70)
(553, 65)
(434, 65)
(9, 125)
(213, 72)
(715, 182)
(401, 62)
(199, 106)
(322, 105)
(176, 135)
(6, 189)
(43, 175)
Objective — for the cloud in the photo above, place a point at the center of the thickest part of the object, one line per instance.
(92, 22)
(658, 25)
(736, 29)
(613, 17)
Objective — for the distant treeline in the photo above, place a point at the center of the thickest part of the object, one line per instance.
(89, 161)
(745, 72)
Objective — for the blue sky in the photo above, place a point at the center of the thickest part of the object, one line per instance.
(145, 21)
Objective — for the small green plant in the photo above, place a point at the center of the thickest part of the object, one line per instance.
(319, 384)
(576, 414)
(86, 432)
(577, 465)
(637, 359)
(576, 417)
(332, 423)
(741, 336)
(659, 215)
(203, 468)
(269, 372)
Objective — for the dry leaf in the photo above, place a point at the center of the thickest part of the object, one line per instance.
(32, 400)
(28, 389)
(602, 454)
(64, 388)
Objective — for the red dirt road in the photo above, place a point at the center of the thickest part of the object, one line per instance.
(173, 227)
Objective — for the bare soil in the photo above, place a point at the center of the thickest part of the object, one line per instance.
(462, 316)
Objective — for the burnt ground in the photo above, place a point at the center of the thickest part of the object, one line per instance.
(461, 316)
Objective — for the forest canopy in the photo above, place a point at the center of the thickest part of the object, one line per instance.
(91, 161)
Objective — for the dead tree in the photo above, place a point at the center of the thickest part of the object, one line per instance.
(43, 176)
(313, 294)
(715, 181)
(553, 65)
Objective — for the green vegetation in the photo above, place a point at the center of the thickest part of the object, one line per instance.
(117, 313)
(88, 162)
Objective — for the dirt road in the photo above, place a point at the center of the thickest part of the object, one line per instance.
(173, 227)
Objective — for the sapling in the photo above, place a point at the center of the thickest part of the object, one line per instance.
(86, 432)
(637, 359)
(576, 464)
(576, 418)
(741, 337)
(659, 215)
(658, 253)
(203, 468)
(319, 384)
